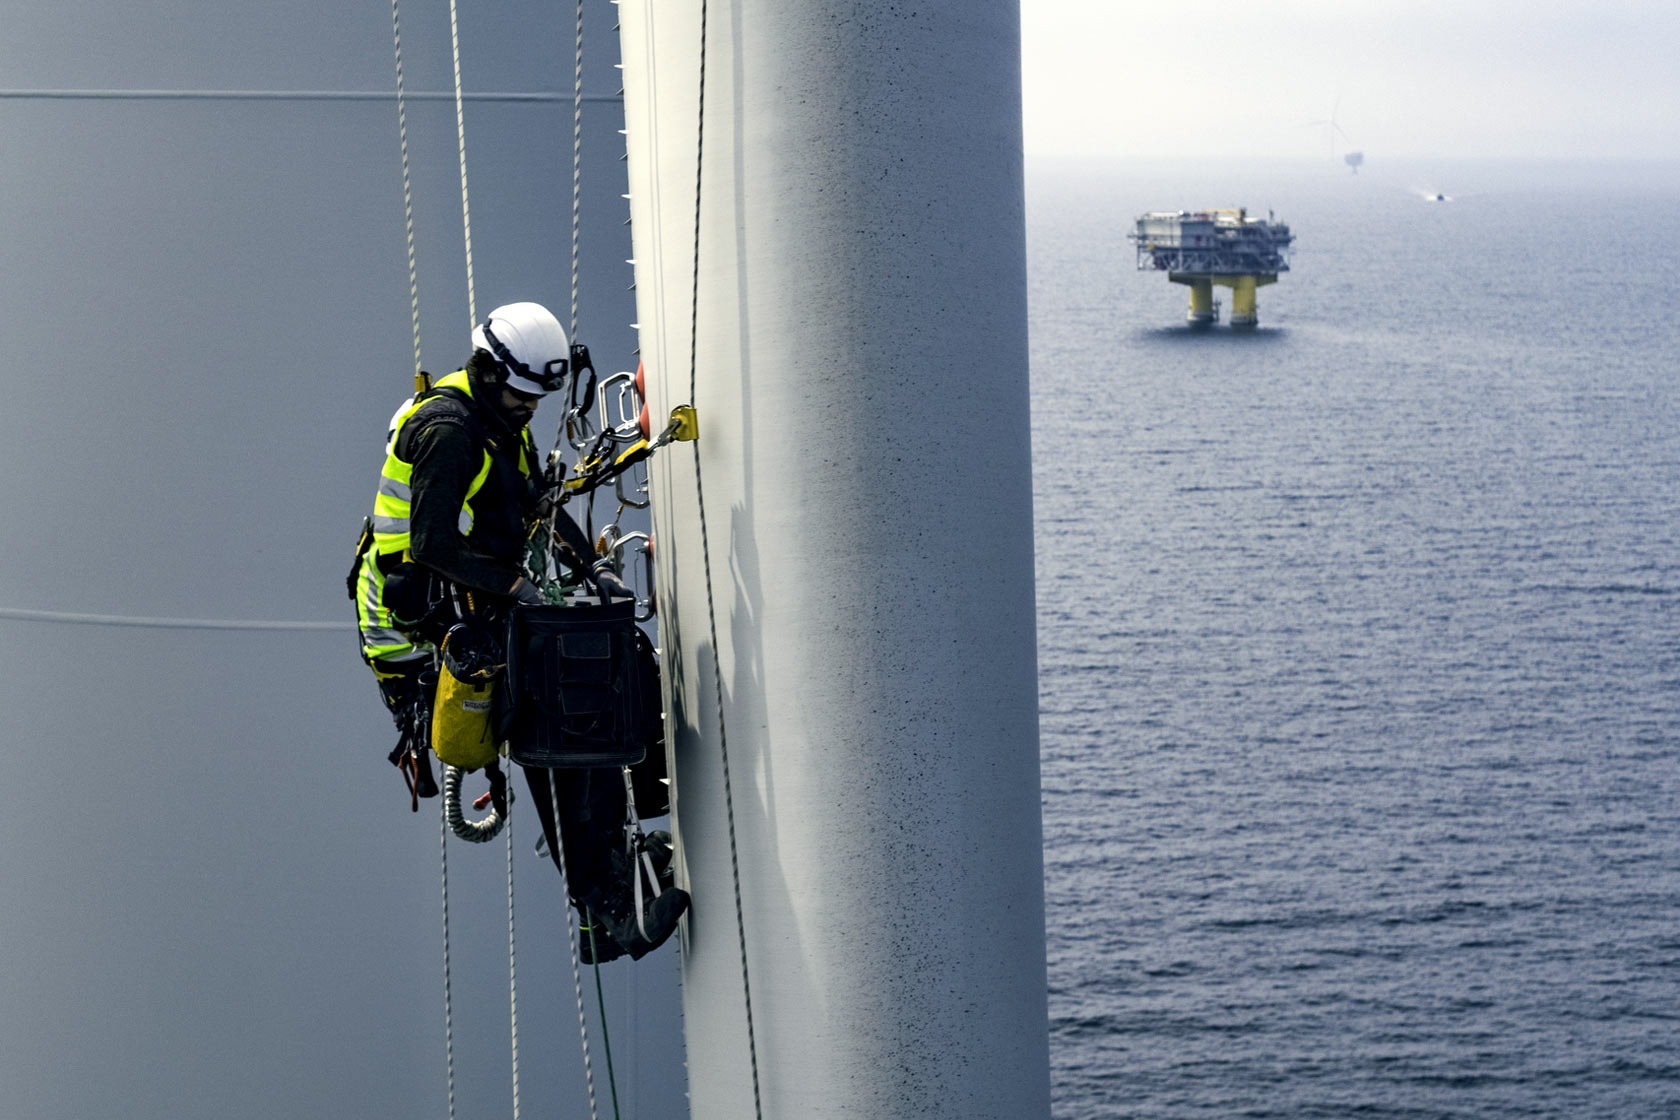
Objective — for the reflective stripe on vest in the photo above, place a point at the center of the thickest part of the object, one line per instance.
(380, 639)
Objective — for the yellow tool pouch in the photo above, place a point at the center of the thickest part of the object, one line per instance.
(463, 734)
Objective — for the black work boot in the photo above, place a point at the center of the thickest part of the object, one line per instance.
(595, 944)
(659, 919)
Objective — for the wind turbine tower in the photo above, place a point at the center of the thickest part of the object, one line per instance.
(826, 238)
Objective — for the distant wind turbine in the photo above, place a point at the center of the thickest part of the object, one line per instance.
(1332, 130)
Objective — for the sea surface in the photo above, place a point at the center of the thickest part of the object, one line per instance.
(1359, 642)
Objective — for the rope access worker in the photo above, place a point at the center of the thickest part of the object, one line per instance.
(459, 495)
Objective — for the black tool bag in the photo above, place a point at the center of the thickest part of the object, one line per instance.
(578, 688)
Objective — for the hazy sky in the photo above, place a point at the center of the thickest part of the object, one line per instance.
(1535, 78)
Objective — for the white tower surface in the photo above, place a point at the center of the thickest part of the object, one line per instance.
(864, 547)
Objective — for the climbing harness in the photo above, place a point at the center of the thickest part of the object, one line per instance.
(635, 848)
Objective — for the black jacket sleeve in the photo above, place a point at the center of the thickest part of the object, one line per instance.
(445, 458)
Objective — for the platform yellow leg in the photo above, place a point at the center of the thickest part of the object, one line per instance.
(1244, 307)
(1201, 302)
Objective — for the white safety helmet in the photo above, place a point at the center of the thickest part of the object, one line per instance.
(529, 344)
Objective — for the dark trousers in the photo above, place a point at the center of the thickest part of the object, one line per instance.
(592, 816)
(592, 803)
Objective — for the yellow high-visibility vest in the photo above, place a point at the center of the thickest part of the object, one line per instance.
(381, 639)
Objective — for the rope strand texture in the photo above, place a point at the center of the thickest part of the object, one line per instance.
(577, 163)
(513, 985)
(448, 1002)
(408, 192)
(571, 940)
(461, 139)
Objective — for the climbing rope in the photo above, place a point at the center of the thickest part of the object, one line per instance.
(571, 940)
(461, 140)
(445, 824)
(577, 163)
(477, 832)
(606, 1038)
(452, 819)
(706, 565)
(472, 323)
(575, 428)
(448, 1003)
(513, 986)
(571, 934)
(408, 192)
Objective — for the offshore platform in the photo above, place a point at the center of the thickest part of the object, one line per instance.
(1206, 247)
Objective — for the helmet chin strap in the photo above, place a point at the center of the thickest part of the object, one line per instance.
(551, 377)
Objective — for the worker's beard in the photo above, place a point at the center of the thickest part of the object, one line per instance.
(485, 374)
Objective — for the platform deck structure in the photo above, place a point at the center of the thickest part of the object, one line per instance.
(1202, 248)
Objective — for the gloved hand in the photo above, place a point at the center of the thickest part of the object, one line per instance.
(609, 585)
(498, 795)
(524, 591)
